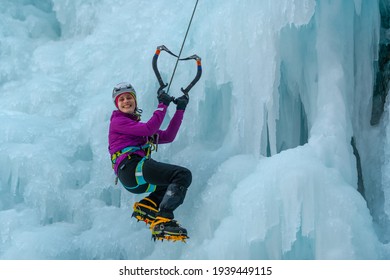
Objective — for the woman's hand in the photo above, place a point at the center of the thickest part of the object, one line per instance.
(164, 98)
(181, 102)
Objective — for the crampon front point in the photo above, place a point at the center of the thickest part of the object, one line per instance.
(172, 238)
(141, 218)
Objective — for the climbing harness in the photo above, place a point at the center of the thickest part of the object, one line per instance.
(197, 58)
(129, 150)
(150, 146)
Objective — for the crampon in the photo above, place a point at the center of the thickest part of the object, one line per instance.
(172, 238)
(143, 212)
(167, 229)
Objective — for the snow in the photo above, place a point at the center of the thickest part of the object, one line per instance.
(267, 133)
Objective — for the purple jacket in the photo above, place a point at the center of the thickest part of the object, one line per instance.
(125, 130)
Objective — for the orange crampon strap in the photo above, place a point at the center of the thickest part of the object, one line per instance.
(137, 204)
(151, 201)
(158, 221)
(142, 216)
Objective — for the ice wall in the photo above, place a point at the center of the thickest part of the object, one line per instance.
(267, 134)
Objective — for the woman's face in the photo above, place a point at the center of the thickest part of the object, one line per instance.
(126, 103)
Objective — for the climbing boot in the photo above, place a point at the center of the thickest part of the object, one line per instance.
(145, 210)
(167, 229)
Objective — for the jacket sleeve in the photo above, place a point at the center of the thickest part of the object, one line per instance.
(130, 127)
(168, 135)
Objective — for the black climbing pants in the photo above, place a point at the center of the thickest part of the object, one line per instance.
(172, 182)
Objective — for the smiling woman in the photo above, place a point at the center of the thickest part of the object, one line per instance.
(126, 103)
(124, 98)
(130, 145)
(289, 79)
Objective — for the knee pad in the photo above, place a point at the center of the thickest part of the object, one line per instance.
(174, 197)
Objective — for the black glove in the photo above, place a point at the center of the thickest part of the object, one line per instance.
(181, 102)
(163, 97)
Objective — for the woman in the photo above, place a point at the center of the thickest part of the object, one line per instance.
(130, 144)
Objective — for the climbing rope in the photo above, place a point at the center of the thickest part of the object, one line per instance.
(182, 45)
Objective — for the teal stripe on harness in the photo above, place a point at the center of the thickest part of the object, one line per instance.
(150, 188)
(139, 177)
(138, 170)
